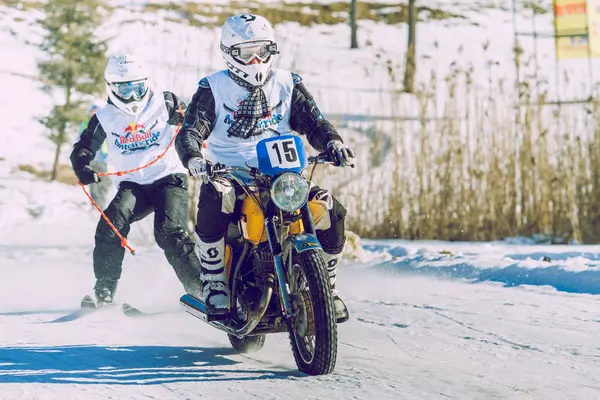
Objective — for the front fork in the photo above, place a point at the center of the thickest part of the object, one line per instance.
(276, 248)
(275, 243)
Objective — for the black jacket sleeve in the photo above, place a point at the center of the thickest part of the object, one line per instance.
(307, 119)
(198, 123)
(175, 107)
(88, 145)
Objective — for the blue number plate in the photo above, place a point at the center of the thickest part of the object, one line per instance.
(281, 154)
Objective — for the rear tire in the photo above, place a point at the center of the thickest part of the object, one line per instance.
(316, 358)
(247, 344)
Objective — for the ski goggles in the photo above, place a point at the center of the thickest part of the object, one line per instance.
(246, 52)
(134, 90)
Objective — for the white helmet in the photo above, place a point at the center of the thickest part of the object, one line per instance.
(248, 46)
(128, 83)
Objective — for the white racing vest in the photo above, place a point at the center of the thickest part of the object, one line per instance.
(136, 140)
(235, 151)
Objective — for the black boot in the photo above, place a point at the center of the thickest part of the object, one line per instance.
(105, 291)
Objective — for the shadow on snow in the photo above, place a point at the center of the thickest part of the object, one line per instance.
(125, 365)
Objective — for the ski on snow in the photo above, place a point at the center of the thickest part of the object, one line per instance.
(134, 312)
(89, 306)
(131, 311)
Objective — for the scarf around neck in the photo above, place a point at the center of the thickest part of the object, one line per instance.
(250, 111)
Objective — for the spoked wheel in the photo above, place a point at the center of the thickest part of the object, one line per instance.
(313, 332)
(248, 344)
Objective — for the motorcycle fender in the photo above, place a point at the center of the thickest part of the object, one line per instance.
(305, 241)
(320, 216)
(253, 222)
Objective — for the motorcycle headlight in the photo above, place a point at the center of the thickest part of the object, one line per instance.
(289, 192)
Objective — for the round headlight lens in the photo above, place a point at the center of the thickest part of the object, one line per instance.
(289, 192)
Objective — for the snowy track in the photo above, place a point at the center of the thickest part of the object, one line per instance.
(408, 338)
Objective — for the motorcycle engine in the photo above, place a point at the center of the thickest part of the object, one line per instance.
(262, 261)
(254, 279)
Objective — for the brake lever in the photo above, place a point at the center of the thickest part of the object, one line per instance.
(209, 173)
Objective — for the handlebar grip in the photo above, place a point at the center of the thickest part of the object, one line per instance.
(319, 158)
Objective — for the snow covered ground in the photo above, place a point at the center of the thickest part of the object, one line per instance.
(410, 336)
(430, 320)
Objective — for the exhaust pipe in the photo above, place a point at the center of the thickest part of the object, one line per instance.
(196, 308)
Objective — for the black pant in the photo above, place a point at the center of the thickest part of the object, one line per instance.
(212, 222)
(168, 199)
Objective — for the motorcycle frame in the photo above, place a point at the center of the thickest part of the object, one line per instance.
(279, 240)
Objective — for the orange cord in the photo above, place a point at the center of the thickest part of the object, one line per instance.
(123, 240)
(121, 173)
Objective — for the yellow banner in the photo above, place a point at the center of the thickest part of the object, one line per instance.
(570, 23)
(593, 18)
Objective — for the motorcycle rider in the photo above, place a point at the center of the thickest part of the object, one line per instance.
(136, 124)
(232, 110)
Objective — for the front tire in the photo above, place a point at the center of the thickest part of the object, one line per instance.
(313, 332)
(247, 344)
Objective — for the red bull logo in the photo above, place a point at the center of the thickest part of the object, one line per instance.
(133, 127)
(134, 132)
(136, 137)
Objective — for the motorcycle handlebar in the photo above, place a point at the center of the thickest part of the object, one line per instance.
(323, 158)
(221, 169)
(213, 170)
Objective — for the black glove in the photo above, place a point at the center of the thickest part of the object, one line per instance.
(339, 153)
(87, 175)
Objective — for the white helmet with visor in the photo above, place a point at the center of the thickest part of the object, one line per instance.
(127, 83)
(248, 46)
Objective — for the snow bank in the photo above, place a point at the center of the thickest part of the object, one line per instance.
(573, 269)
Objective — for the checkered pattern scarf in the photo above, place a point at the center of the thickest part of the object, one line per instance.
(250, 111)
